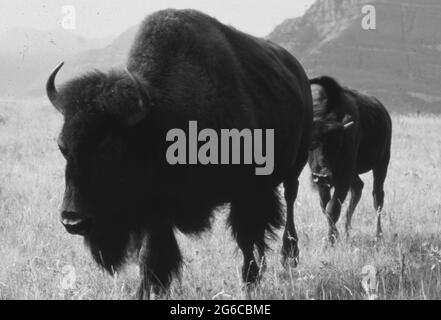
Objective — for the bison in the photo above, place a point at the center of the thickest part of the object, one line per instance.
(121, 193)
(351, 135)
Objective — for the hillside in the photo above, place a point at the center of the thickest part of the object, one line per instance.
(400, 61)
(103, 58)
(27, 53)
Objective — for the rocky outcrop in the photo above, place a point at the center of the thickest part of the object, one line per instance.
(400, 61)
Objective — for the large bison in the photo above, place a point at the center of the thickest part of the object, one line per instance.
(351, 135)
(121, 193)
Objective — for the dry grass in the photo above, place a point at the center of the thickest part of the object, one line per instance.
(34, 247)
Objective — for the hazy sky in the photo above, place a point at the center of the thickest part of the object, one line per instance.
(98, 18)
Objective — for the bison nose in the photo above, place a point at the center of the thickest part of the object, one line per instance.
(75, 223)
(324, 177)
(321, 175)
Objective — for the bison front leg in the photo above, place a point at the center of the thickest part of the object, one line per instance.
(333, 210)
(245, 241)
(160, 259)
(356, 190)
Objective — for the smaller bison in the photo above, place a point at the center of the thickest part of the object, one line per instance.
(351, 136)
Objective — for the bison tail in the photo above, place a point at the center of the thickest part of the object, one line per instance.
(254, 217)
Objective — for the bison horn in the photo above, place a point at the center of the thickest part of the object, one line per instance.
(50, 87)
(348, 125)
(333, 125)
(143, 101)
(347, 122)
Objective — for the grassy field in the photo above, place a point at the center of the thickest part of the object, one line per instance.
(36, 253)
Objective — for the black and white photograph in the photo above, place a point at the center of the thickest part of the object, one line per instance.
(235, 152)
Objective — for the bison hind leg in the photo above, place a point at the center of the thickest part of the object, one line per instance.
(356, 191)
(253, 218)
(379, 174)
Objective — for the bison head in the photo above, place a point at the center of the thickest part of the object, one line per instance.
(103, 171)
(327, 135)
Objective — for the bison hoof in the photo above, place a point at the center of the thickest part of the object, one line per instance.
(333, 237)
(289, 262)
(347, 232)
(262, 266)
(150, 292)
(251, 273)
(143, 293)
(290, 252)
(379, 237)
(290, 256)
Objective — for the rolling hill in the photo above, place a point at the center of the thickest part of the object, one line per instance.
(400, 61)
(26, 54)
(109, 56)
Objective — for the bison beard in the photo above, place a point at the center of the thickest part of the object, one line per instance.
(123, 195)
(109, 244)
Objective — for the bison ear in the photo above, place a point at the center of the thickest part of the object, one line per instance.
(144, 101)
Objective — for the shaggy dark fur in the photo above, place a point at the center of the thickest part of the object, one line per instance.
(339, 155)
(119, 185)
